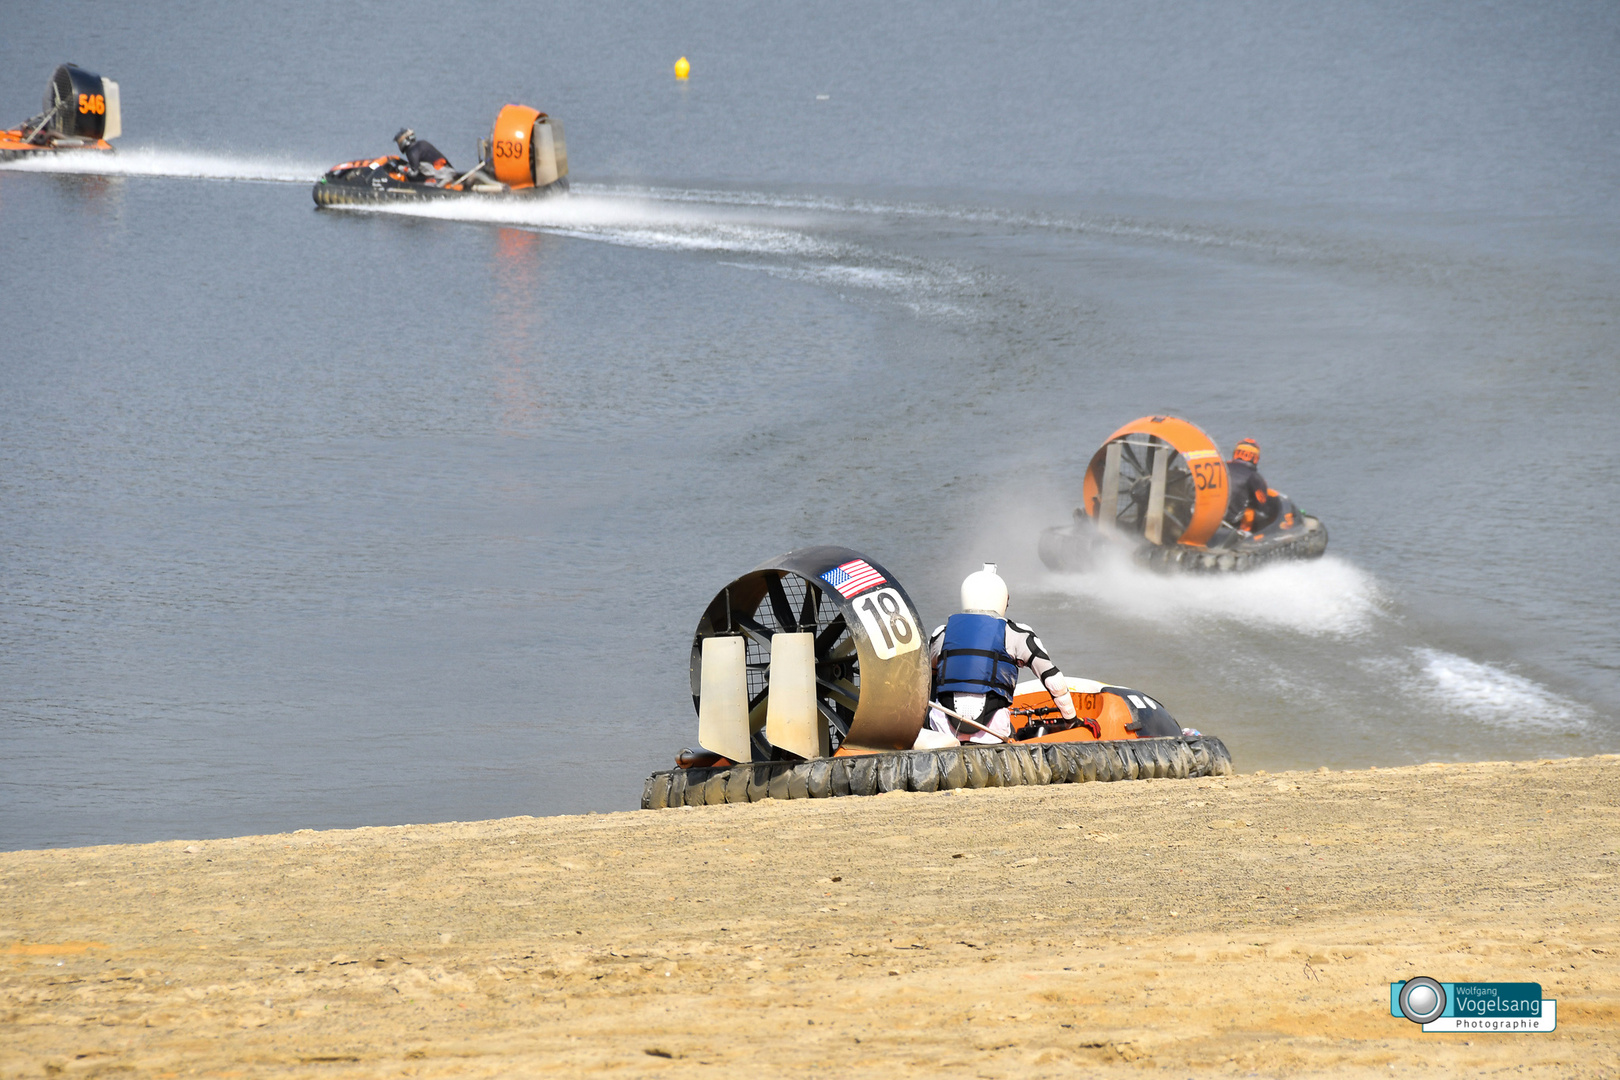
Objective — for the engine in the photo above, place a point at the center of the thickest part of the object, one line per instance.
(526, 149)
(80, 104)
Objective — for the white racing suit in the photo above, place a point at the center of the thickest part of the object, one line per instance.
(1019, 648)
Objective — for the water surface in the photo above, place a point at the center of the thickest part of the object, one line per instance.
(316, 519)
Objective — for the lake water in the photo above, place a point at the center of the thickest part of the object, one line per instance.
(320, 519)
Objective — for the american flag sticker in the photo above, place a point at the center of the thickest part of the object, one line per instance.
(854, 577)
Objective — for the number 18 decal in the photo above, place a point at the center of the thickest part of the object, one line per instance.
(887, 623)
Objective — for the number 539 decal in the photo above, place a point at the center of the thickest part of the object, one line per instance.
(887, 623)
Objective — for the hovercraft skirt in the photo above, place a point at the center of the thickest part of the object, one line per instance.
(941, 770)
(1078, 548)
(31, 153)
(339, 193)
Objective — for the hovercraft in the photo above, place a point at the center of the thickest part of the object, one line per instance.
(810, 677)
(81, 114)
(524, 157)
(1157, 490)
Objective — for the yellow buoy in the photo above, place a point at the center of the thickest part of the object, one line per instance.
(682, 68)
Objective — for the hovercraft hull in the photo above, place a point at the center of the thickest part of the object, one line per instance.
(1081, 546)
(14, 148)
(969, 766)
(332, 192)
(81, 114)
(1121, 734)
(1158, 492)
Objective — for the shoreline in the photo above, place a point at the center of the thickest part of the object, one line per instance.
(1221, 925)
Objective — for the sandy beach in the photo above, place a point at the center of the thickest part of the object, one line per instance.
(1231, 926)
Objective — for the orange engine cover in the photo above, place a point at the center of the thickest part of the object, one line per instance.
(1196, 475)
(510, 146)
(1107, 709)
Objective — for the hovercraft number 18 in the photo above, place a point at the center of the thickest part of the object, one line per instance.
(883, 614)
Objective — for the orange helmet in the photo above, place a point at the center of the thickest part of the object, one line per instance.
(1247, 450)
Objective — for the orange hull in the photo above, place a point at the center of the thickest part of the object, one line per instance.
(13, 145)
(1107, 708)
(1195, 452)
(1158, 491)
(1111, 708)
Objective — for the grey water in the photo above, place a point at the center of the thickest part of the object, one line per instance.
(333, 518)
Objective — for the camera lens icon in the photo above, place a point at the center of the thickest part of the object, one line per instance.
(1422, 1000)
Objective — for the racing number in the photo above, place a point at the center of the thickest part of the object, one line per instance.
(92, 103)
(887, 625)
(508, 148)
(1207, 475)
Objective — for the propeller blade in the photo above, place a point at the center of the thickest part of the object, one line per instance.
(826, 639)
(758, 632)
(843, 690)
(807, 612)
(779, 603)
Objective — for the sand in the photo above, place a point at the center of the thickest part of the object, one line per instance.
(1230, 926)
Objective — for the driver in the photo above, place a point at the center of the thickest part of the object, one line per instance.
(976, 656)
(1252, 505)
(423, 157)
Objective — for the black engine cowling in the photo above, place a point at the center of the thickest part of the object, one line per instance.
(80, 104)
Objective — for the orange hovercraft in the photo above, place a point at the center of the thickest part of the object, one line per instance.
(811, 679)
(81, 115)
(1158, 490)
(524, 157)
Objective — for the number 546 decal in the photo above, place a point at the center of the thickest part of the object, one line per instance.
(887, 623)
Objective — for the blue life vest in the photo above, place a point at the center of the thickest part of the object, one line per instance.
(973, 659)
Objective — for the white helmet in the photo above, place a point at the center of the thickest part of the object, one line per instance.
(984, 591)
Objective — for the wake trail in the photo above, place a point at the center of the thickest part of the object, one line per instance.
(663, 229)
(1360, 638)
(638, 220)
(1116, 226)
(663, 206)
(175, 164)
(632, 222)
(1327, 596)
(781, 241)
(666, 232)
(1491, 694)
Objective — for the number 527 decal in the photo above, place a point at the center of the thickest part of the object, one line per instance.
(1209, 475)
(887, 623)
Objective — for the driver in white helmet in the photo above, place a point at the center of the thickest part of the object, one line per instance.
(976, 656)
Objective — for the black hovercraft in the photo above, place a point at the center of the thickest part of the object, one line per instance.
(81, 115)
(524, 157)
